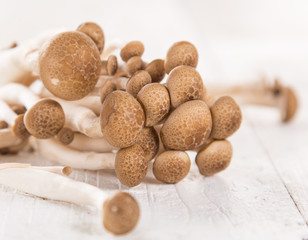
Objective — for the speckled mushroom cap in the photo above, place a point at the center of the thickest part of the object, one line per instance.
(137, 81)
(171, 166)
(181, 53)
(156, 69)
(19, 127)
(112, 65)
(44, 119)
(154, 98)
(122, 119)
(184, 83)
(130, 165)
(120, 213)
(95, 32)
(187, 127)
(226, 116)
(131, 49)
(214, 158)
(149, 141)
(134, 64)
(69, 65)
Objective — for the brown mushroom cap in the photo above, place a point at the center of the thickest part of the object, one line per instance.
(108, 87)
(226, 116)
(181, 53)
(187, 127)
(19, 127)
(171, 166)
(3, 124)
(184, 84)
(120, 213)
(155, 100)
(290, 105)
(214, 158)
(149, 141)
(95, 32)
(112, 65)
(137, 81)
(122, 119)
(134, 64)
(69, 65)
(65, 136)
(130, 165)
(131, 49)
(156, 69)
(44, 119)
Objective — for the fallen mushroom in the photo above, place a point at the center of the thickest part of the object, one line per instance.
(3, 124)
(120, 211)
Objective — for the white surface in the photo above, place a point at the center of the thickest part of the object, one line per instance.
(264, 192)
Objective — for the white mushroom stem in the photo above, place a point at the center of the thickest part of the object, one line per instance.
(120, 82)
(55, 151)
(8, 138)
(7, 114)
(17, 64)
(66, 171)
(82, 142)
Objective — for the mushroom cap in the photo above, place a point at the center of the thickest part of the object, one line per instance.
(137, 81)
(65, 136)
(130, 165)
(95, 32)
(171, 166)
(134, 64)
(187, 127)
(44, 119)
(154, 98)
(69, 65)
(156, 69)
(3, 124)
(184, 84)
(289, 108)
(19, 127)
(226, 116)
(214, 157)
(181, 53)
(131, 49)
(108, 87)
(120, 213)
(122, 119)
(112, 65)
(149, 141)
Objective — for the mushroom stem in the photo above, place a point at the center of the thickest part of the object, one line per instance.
(263, 94)
(55, 151)
(8, 138)
(120, 211)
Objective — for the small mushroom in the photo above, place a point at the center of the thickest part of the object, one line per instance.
(149, 141)
(181, 53)
(171, 166)
(155, 100)
(214, 157)
(156, 69)
(226, 117)
(95, 32)
(65, 136)
(131, 49)
(187, 127)
(131, 166)
(184, 84)
(138, 80)
(121, 119)
(110, 66)
(134, 64)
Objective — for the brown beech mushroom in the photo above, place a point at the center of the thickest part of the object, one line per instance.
(214, 157)
(137, 81)
(171, 166)
(226, 117)
(134, 64)
(155, 100)
(181, 53)
(156, 69)
(120, 211)
(95, 32)
(121, 119)
(184, 84)
(187, 127)
(131, 166)
(149, 141)
(65, 136)
(110, 66)
(131, 49)
(69, 65)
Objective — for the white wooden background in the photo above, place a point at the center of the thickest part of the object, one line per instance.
(264, 192)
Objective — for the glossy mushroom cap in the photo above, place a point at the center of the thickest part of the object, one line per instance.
(44, 119)
(181, 53)
(122, 119)
(156, 69)
(149, 141)
(155, 100)
(131, 49)
(95, 32)
(214, 158)
(137, 81)
(226, 116)
(187, 127)
(171, 166)
(69, 65)
(184, 84)
(131, 165)
(120, 213)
